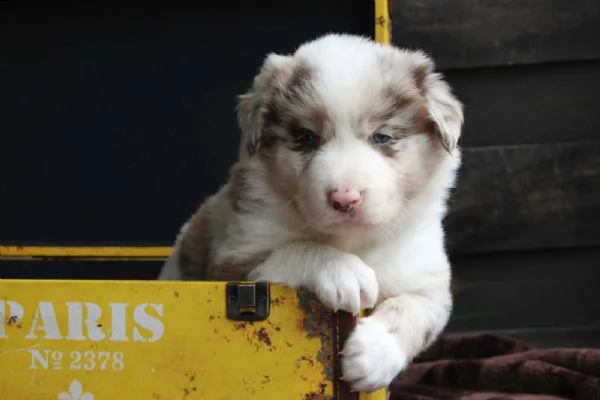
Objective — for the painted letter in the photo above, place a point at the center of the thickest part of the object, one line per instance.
(42, 360)
(149, 322)
(119, 322)
(92, 322)
(75, 331)
(48, 324)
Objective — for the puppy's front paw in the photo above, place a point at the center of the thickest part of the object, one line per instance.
(346, 284)
(371, 358)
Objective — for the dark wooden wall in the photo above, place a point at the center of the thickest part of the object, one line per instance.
(528, 73)
(105, 112)
(524, 225)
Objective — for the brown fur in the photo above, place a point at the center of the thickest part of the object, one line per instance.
(195, 248)
(236, 270)
(241, 183)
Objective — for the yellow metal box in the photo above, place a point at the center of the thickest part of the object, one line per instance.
(96, 340)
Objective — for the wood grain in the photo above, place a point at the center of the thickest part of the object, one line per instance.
(538, 104)
(527, 294)
(475, 33)
(526, 197)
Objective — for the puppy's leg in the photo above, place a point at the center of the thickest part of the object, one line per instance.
(383, 344)
(340, 280)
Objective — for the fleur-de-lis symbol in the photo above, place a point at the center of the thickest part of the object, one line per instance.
(75, 393)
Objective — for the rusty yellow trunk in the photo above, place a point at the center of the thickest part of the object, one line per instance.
(119, 340)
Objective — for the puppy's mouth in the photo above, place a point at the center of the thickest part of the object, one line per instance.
(333, 217)
(336, 221)
(350, 223)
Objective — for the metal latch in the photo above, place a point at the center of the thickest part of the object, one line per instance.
(248, 301)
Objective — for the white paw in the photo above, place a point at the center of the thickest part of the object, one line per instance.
(371, 358)
(347, 284)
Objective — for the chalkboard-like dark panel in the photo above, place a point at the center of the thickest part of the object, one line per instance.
(529, 104)
(526, 197)
(527, 290)
(114, 125)
(472, 33)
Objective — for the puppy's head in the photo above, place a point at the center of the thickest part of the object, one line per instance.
(351, 132)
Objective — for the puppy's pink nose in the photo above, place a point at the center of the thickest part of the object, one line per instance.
(344, 200)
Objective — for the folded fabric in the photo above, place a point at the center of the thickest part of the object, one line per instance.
(487, 367)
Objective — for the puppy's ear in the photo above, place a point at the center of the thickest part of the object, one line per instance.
(445, 110)
(251, 105)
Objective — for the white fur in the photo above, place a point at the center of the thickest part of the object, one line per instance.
(390, 255)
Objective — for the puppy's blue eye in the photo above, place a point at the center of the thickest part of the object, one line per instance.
(380, 138)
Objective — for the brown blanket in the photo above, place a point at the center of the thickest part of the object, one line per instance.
(486, 367)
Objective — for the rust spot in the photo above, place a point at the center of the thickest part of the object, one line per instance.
(264, 337)
(99, 325)
(313, 396)
(176, 294)
(240, 327)
(276, 327)
(211, 317)
(322, 388)
(288, 344)
(257, 337)
(320, 395)
(277, 301)
(319, 322)
(304, 359)
(191, 376)
(12, 320)
(266, 379)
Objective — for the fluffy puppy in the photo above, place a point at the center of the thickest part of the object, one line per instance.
(349, 149)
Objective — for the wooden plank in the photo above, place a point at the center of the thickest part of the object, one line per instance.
(475, 33)
(526, 197)
(529, 104)
(528, 292)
